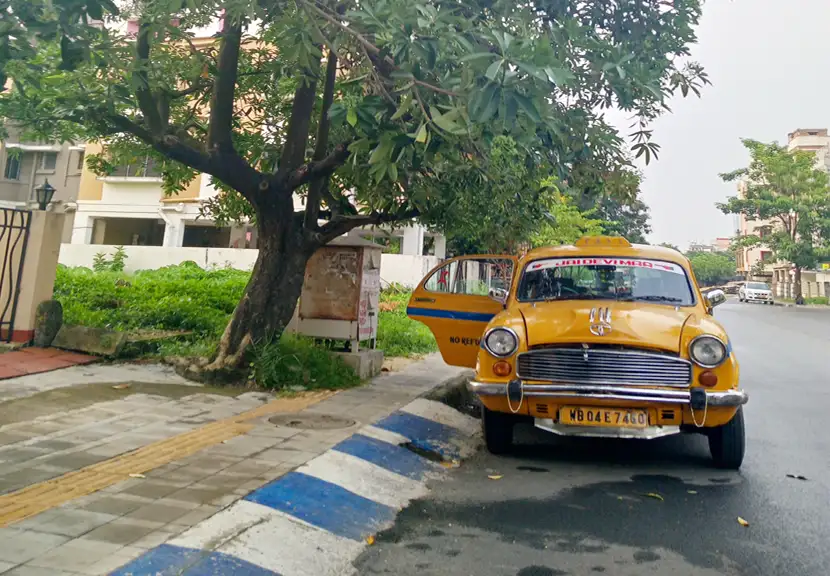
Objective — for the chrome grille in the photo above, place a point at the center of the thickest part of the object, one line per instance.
(604, 366)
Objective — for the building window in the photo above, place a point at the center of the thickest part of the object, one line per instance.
(12, 171)
(80, 161)
(766, 256)
(147, 168)
(49, 161)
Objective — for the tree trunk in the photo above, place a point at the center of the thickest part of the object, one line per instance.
(799, 299)
(270, 297)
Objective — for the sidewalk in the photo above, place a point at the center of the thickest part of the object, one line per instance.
(88, 490)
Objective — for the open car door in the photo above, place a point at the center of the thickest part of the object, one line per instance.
(454, 302)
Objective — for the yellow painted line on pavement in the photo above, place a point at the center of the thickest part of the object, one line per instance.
(43, 496)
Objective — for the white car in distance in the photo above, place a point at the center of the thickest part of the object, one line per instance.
(755, 292)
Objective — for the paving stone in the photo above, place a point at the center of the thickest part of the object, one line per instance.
(244, 446)
(153, 488)
(75, 555)
(19, 455)
(116, 505)
(198, 495)
(73, 461)
(156, 512)
(201, 513)
(123, 531)
(21, 478)
(153, 539)
(53, 445)
(118, 559)
(4, 566)
(9, 437)
(37, 571)
(65, 521)
(249, 468)
(187, 474)
(19, 546)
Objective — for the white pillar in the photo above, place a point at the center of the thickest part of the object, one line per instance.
(173, 232)
(440, 246)
(413, 240)
(82, 229)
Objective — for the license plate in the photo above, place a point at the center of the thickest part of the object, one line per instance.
(605, 417)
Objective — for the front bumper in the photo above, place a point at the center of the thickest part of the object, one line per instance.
(730, 398)
(759, 298)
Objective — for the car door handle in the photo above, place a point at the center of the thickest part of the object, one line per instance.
(430, 300)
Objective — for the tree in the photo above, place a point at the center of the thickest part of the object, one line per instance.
(614, 198)
(712, 268)
(372, 111)
(669, 245)
(788, 189)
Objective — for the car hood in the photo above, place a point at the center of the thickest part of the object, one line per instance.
(632, 324)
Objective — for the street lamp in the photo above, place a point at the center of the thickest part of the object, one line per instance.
(44, 194)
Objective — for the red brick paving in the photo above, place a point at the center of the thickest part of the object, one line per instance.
(36, 360)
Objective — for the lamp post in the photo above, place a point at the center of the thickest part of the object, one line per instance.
(44, 194)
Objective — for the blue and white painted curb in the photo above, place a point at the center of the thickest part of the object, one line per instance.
(315, 520)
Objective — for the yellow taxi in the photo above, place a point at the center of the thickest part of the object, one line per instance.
(603, 338)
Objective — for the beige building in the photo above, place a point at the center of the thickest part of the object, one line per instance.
(27, 165)
(760, 258)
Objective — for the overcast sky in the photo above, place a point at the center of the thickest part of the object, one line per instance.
(770, 69)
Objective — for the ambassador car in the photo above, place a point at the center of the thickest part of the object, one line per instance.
(602, 338)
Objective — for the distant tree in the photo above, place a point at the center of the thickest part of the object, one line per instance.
(712, 268)
(614, 198)
(786, 187)
(667, 245)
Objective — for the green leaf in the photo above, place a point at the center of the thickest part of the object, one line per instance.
(421, 135)
(351, 117)
(477, 56)
(392, 170)
(527, 105)
(559, 76)
(493, 70)
(402, 75)
(534, 71)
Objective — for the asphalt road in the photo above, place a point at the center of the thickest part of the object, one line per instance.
(579, 506)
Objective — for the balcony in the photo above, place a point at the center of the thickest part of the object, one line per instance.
(146, 171)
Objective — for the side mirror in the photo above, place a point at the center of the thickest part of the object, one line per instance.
(499, 295)
(715, 297)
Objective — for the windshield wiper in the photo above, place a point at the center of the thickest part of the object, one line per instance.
(651, 298)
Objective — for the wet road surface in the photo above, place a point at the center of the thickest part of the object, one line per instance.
(571, 506)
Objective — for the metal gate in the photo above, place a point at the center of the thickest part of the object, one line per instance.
(14, 235)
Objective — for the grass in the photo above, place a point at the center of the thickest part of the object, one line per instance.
(814, 301)
(188, 298)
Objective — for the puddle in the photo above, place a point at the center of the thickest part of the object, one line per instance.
(78, 397)
(430, 455)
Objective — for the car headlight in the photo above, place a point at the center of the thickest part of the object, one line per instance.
(501, 342)
(707, 351)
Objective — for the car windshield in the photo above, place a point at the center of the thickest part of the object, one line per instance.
(622, 279)
(757, 286)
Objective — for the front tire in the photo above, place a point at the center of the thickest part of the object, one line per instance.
(498, 431)
(727, 443)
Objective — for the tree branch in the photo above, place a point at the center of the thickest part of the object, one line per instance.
(322, 144)
(323, 168)
(296, 139)
(369, 46)
(343, 224)
(146, 101)
(224, 87)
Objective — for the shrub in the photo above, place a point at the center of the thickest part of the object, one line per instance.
(295, 362)
(398, 335)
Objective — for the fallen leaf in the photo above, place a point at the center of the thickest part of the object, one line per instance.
(370, 540)
(496, 477)
(619, 497)
(121, 386)
(691, 491)
(137, 476)
(656, 496)
(742, 522)
(796, 476)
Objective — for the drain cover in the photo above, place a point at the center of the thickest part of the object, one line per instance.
(311, 421)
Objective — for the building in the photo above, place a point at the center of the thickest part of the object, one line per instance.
(27, 165)
(758, 261)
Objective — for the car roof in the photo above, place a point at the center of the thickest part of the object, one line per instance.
(631, 251)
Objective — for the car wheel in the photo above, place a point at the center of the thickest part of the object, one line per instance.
(498, 431)
(727, 443)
